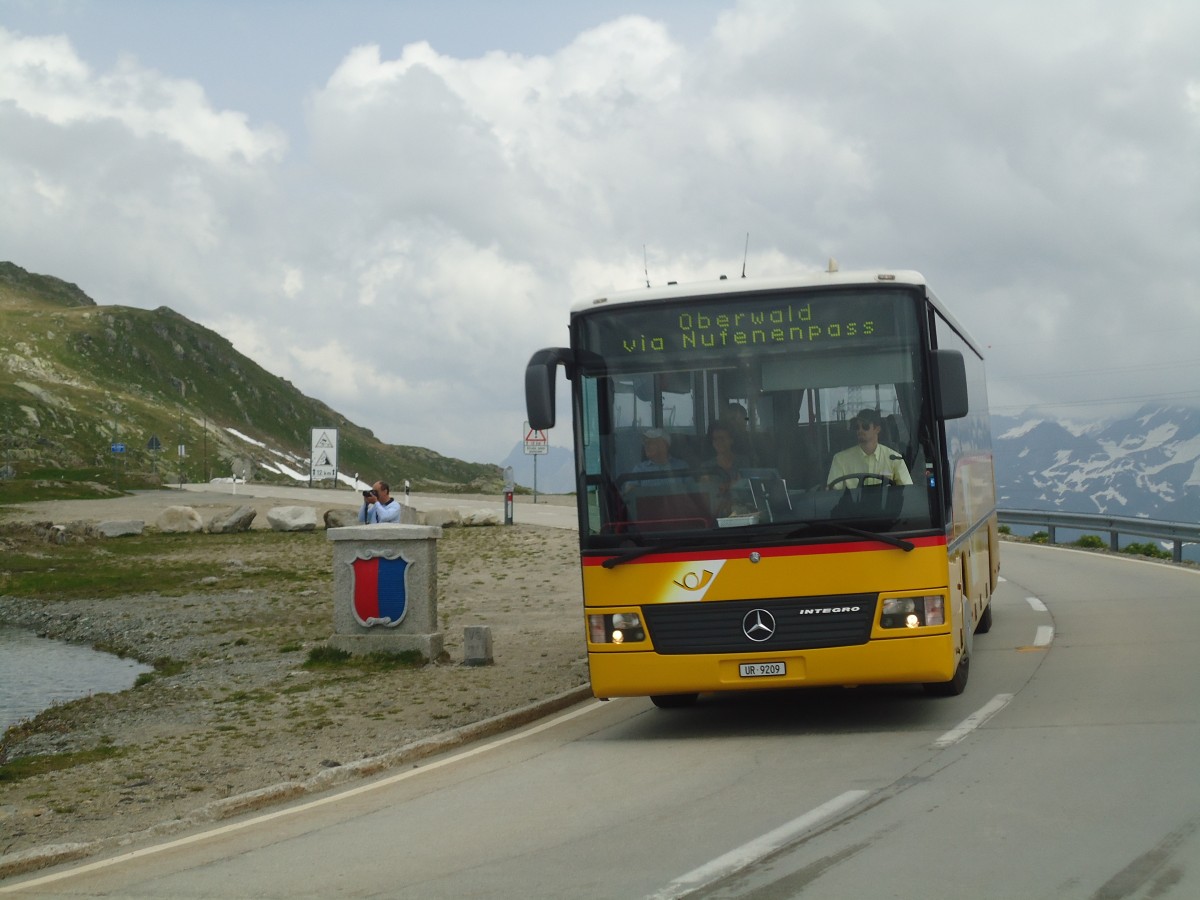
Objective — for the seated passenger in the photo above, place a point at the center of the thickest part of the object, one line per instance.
(656, 444)
(867, 456)
(735, 418)
(722, 470)
(659, 470)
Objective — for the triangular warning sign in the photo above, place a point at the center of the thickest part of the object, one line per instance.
(323, 440)
(323, 460)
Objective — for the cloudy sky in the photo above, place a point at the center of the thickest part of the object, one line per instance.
(392, 204)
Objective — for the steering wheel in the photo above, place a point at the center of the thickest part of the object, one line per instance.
(862, 478)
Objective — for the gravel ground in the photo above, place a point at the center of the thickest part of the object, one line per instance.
(242, 722)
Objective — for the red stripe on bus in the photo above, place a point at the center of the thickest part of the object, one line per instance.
(742, 553)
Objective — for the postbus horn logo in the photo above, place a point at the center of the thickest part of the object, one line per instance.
(693, 582)
(380, 590)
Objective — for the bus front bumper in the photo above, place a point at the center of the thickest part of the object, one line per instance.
(913, 660)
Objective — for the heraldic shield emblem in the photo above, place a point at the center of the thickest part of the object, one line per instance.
(380, 591)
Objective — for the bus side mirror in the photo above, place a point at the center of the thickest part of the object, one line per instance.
(539, 385)
(951, 384)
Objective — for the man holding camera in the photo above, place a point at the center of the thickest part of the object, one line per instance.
(378, 506)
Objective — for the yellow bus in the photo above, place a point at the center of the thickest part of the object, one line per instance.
(781, 483)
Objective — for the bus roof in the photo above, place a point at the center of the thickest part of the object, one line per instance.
(725, 285)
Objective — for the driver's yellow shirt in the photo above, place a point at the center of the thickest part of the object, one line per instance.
(884, 461)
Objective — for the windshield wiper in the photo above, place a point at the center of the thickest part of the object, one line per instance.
(638, 552)
(888, 539)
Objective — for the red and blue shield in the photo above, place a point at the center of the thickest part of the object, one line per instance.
(380, 590)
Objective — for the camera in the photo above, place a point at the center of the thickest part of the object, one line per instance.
(370, 494)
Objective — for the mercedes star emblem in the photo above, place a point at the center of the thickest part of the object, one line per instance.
(758, 625)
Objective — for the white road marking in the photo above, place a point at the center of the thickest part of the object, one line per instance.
(1037, 604)
(1045, 634)
(303, 807)
(973, 721)
(754, 850)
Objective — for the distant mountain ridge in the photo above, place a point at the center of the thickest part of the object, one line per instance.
(553, 471)
(77, 378)
(1145, 465)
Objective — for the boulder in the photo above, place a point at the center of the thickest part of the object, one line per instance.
(341, 517)
(121, 528)
(179, 520)
(232, 522)
(476, 517)
(76, 532)
(292, 518)
(442, 518)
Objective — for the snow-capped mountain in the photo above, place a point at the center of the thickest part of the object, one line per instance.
(1145, 465)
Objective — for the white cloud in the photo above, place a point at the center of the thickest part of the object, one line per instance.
(403, 255)
(45, 79)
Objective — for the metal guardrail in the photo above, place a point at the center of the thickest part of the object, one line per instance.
(1179, 533)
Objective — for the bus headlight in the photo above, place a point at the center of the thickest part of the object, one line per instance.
(615, 628)
(913, 612)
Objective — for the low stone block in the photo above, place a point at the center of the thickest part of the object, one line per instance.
(179, 520)
(409, 553)
(477, 645)
(292, 518)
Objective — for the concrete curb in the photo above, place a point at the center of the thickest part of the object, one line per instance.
(42, 857)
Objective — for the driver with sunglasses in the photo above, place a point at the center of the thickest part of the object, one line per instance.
(868, 456)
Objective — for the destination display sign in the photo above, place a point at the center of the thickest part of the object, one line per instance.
(746, 323)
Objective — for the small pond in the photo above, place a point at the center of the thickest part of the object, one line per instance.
(36, 673)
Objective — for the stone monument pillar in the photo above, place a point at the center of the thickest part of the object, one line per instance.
(385, 589)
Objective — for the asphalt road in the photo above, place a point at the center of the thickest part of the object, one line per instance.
(1066, 769)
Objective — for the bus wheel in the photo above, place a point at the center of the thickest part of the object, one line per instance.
(674, 701)
(955, 685)
(985, 621)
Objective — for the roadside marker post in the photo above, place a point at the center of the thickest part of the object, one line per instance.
(536, 444)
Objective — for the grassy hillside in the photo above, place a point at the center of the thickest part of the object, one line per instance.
(76, 378)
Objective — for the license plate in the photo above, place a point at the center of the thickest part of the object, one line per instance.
(761, 669)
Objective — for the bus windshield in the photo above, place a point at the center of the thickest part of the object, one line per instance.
(720, 419)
